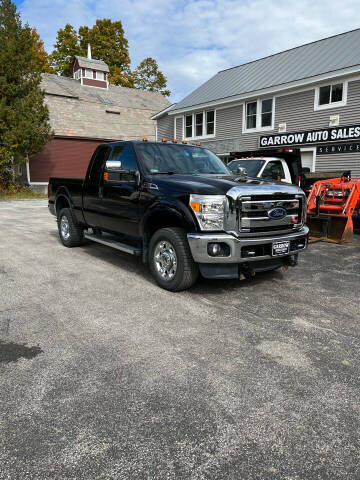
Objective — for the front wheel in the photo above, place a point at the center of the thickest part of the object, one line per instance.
(71, 234)
(170, 260)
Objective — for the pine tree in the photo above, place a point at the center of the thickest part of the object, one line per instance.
(147, 76)
(66, 47)
(108, 43)
(24, 118)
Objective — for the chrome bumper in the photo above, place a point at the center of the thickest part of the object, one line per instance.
(199, 241)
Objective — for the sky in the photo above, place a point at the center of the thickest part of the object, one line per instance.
(193, 39)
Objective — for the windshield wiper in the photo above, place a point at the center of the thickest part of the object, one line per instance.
(172, 173)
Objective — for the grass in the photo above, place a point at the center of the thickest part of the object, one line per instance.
(19, 193)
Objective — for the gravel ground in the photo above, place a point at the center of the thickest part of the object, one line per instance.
(103, 375)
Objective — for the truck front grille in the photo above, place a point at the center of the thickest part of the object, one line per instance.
(254, 219)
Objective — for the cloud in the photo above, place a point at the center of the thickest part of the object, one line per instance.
(193, 39)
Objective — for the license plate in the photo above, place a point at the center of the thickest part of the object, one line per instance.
(280, 248)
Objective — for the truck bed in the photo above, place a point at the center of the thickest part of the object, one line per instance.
(71, 188)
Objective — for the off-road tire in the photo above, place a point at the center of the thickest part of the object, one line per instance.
(187, 270)
(76, 232)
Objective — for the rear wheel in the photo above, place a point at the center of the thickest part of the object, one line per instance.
(170, 260)
(71, 234)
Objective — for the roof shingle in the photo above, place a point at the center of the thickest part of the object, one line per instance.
(92, 63)
(83, 111)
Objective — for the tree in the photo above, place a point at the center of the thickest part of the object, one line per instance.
(147, 76)
(108, 43)
(24, 118)
(66, 47)
(42, 57)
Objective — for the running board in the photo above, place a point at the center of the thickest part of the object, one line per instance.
(110, 241)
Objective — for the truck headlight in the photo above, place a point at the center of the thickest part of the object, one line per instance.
(209, 211)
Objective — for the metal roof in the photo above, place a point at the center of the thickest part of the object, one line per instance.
(306, 61)
(92, 63)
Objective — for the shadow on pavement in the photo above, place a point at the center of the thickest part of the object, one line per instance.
(12, 352)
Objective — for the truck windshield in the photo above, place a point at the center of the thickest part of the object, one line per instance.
(186, 159)
(252, 166)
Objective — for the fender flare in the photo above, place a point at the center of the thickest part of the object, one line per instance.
(63, 192)
(173, 207)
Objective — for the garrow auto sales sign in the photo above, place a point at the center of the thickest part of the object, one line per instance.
(311, 136)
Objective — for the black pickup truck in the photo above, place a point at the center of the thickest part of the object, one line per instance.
(181, 209)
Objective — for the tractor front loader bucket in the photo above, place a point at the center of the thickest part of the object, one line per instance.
(330, 228)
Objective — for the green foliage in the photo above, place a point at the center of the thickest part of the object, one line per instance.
(17, 191)
(24, 118)
(66, 47)
(147, 76)
(108, 43)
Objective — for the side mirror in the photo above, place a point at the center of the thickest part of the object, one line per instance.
(242, 171)
(114, 172)
(113, 166)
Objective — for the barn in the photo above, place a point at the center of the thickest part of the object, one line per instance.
(86, 110)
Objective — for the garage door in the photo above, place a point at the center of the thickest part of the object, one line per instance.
(62, 157)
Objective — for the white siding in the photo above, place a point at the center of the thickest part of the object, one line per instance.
(165, 127)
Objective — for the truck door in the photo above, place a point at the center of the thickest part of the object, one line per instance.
(92, 189)
(121, 193)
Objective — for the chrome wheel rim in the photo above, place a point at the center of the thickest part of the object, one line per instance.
(165, 260)
(65, 228)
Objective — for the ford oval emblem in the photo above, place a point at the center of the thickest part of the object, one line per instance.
(277, 213)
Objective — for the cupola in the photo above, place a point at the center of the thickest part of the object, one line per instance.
(90, 71)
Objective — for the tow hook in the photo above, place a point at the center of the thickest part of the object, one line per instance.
(246, 274)
(292, 261)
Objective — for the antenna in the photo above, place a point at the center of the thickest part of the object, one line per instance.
(89, 51)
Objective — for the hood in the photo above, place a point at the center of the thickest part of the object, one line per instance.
(218, 184)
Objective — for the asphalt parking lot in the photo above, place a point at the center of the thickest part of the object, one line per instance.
(104, 375)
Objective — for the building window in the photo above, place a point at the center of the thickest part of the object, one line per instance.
(259, 115)
(210, 122)
(200, 124)
(88, 73)
(100, 76)
(251, 115)
(188, 126)
(330, 96)
(266, 113)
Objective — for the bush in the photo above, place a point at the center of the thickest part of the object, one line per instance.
(15, 190)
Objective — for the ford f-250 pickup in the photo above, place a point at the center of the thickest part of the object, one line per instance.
(181, 209)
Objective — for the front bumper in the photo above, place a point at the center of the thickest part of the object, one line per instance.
(199, 246)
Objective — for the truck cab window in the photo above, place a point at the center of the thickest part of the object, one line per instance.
(124, 154)
(101, 155)
(273, 170)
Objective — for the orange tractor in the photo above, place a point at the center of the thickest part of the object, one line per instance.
(331, 206)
